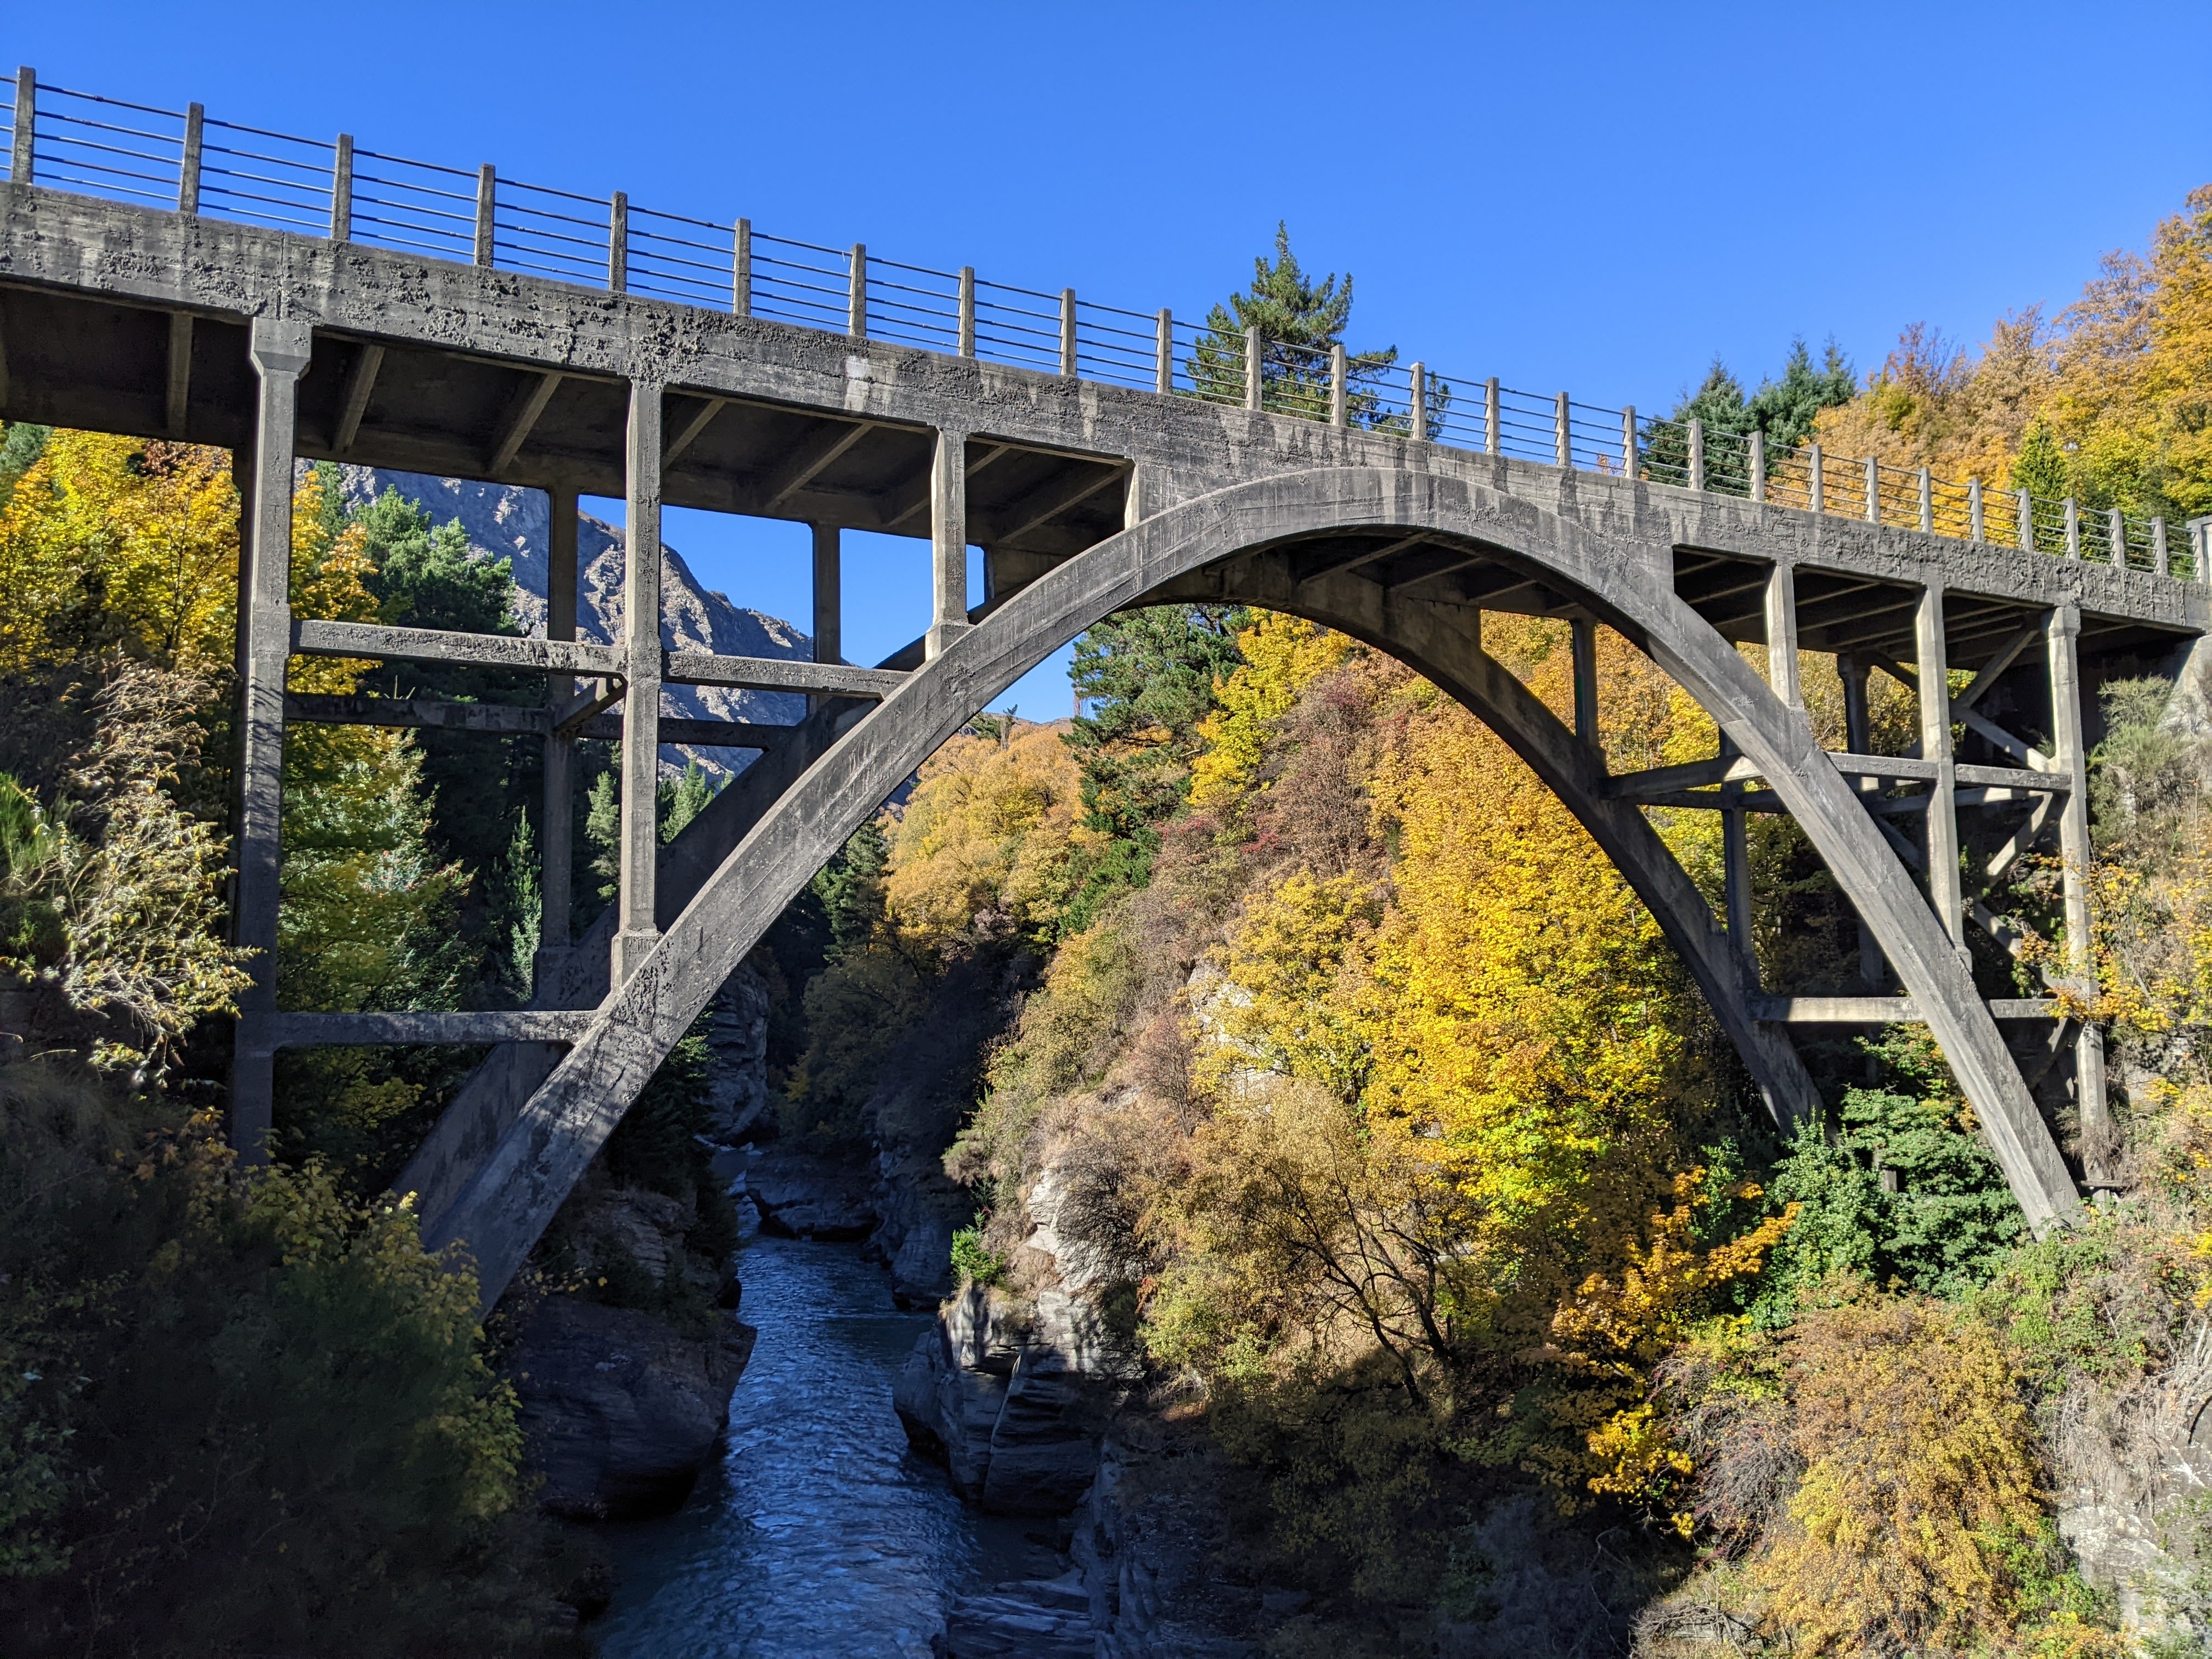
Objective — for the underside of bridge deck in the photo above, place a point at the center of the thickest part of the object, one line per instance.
(78, 361)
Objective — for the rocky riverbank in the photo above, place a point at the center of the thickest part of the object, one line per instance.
(623, 1355)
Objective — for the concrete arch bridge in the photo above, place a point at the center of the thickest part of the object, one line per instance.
(1102, 459)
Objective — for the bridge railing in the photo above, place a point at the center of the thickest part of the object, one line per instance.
(186, 160)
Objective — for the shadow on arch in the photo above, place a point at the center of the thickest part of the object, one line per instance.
(1241, 544)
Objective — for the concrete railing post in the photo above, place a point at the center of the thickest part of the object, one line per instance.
(1493, 404)
(2024, 522)
(1757, 465)
(279, 349)
(188, 168)
(2062, 635)
(1696, 475)
(1976, 526)
(1563, 432)
(856, 291)
(1163, 352)
(1927, 501)
(741, 268)
(948, 541)
(23, 153)
(2116, 531)
(556, 839)
(1339, 392)
(618, 242)
(1068, 358)
(637, 929)
(1417, 405)
(2160, 560)
(1628, 441)
(1933, 677)
(965, 304)
(1873, 490)
(1816, 485)
(2072, 529)
(342, 191)
(486, 211)
(1252, 363)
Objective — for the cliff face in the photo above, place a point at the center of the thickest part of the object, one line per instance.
(505, 521)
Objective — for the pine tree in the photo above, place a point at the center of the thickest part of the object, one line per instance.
(1299, 320)
(1783, 412)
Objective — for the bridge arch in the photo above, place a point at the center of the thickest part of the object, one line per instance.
(1231, 544)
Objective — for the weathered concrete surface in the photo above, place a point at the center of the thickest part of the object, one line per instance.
(1183, 448)
(1625, 582)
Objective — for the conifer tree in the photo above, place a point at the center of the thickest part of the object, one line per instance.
(1299, 320)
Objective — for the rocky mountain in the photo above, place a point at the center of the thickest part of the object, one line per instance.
(507, 521)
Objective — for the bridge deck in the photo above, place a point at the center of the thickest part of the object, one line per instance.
(455, 370)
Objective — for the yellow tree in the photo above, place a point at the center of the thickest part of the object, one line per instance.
(984, 840)
(112, 543)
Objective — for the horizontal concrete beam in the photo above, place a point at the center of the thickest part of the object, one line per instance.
(700, 734)
(507, 720)
(1670, 779)
(779, 674)
(575, 658)
(434, 645)
(500, 720)
(1882, 1010)
(1661, 786)
(348, 1031)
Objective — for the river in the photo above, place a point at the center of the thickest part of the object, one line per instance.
(820, 1536)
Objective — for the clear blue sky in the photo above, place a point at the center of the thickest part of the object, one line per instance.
(1598, 197)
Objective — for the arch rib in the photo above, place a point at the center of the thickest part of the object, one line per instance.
(529, 1172)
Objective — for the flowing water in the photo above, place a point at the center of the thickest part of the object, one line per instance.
(820, 1536)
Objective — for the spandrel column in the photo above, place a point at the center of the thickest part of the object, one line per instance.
(1945, 891)
(948, 541)
(279, 348)
(557, 839)
(2061, 638)
(638, 932)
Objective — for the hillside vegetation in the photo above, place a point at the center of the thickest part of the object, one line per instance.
(1426, 1178)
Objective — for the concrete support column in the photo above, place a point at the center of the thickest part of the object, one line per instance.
(555, 839)
(279, 349)
(1735, 876)
(636, 934)
(1585, 673)
(1858, 739)
(829, 594)
(948, 540)
(829, 600)
(1782, 635)
(2061, 636)
(1857, 734)
(1935, 688)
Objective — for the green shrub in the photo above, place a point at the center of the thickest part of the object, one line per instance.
(247, 1414)
(972, 1261)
